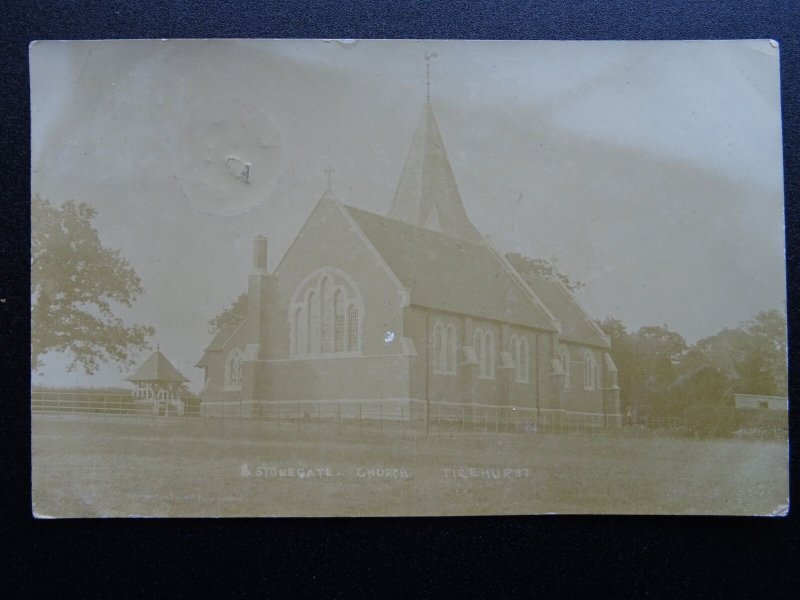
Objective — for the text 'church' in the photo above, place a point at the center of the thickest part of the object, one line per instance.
(406, 308)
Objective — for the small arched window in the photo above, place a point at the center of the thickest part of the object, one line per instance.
(589, 371)
(451, 349)
(599, 376)
(484, 351)
(233, 370)
(478, 346)
(521, 354)
(565, 365)
(439, 357)
(514, 348)
(489, 347)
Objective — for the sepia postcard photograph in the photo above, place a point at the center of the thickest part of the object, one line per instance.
(280, 278)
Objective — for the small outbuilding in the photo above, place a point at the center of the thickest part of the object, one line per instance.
(158, 386)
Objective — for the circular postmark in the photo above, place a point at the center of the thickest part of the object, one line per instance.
(229, 157)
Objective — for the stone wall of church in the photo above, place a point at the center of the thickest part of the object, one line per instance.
(465, 383)
(328, 240)
(350, 378)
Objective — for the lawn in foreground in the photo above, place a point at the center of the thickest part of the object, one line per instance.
(84, 467)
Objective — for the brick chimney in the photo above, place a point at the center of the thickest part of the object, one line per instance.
(259, 288)
(260, 253)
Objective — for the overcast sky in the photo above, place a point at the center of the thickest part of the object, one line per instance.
(651, 170)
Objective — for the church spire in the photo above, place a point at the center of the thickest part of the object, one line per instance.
(427, 194)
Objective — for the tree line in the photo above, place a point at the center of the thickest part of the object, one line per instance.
(663, 376)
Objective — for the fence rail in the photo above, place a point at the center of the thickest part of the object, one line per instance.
(406, 417)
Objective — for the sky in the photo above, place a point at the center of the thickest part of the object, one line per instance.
(651, 171)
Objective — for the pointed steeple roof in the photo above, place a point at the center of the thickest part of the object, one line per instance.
(427, 195)
(157, 368)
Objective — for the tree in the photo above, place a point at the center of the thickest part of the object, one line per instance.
(539, 267)
(751, 359)
(648, 363)
(768, 371)
(232, 315)
(75, 282)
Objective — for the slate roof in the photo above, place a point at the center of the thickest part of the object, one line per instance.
(157, 368)
(450, 274)
(574, 325)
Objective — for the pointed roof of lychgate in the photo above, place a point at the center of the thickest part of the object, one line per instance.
(157, 368)
(427, 193)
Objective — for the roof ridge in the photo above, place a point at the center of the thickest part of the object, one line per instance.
(561, 287)
(407, 224)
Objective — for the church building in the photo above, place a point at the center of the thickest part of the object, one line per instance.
(406, 308)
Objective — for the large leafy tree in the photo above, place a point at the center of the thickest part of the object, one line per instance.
(539, 267)
(76, 283)
(750, 359)
(648, 361)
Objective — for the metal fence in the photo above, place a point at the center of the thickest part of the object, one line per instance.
(99, 403)
(407, 417)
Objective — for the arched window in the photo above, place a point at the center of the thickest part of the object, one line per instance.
(352, 329)
(233, 370)
(444, 348)
(479, 345)
(513, 348)
(599, 376)
(451, 349)
(327, 314)
(489, 356)
(483, 341)
(589, 371)
(439, 357)
(338, 310)
(324, 315)
(521, 354)
(299, 345)
(565, 365)
(313, 323)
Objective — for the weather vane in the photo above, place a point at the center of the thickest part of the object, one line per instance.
(428, 57)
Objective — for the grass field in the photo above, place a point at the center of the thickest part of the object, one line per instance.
(84, 467)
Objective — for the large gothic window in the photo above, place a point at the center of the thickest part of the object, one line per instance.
(325, 315)
(233, 370)
(483, 342)
(339, 320)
